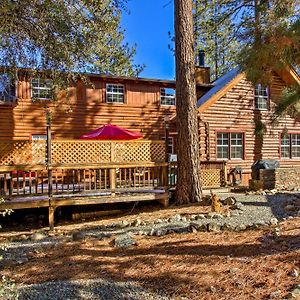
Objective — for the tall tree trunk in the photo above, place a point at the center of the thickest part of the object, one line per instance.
(188, 184)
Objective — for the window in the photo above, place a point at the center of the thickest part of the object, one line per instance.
(41, 89)
(261, 95)
(290, 145)
(7, 89)
(167, 96)
(114, 93)
(230, 145)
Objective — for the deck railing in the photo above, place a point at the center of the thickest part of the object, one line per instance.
(92, 167)
(212, 173)
(79, 152)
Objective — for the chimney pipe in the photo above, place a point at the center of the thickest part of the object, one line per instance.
(201, 56)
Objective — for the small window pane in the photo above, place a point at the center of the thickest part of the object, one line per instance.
(285, 146)
(114, 93)
(41, 88)
(295, 139)
(261, 96)
(167, 96)
(236, 145)
(222, 145)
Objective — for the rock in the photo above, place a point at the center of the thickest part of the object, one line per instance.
(218, 216)
(227, 214)
(78, 236)
(289, 208)
(160, 232)
(229, 201)
(124, 241)
(103, 235)
(240, 227)
(275, 295)
(38, 236)
(181, 229)
(22, 260)
(229, 227)
(198, 227)
(183, 219)
(158, 221)
(152, 231)
(200, 217)
(294, 293)
(239, 206)
(193, 217)
(212, 226)
(233, 270)
(214, 215)
(294, 273)
(273, 221)
(260, 223)
(212, 289)
(124, 224)
(234, 214)
(137, 222)
(174, 219)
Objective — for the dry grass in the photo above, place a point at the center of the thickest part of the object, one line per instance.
(236, 264)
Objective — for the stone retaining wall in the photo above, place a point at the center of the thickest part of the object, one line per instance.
(281, 178)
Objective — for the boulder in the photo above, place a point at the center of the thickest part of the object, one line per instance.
(229, 201)
(78, 236)
(213, 226)
(124, 241)
(198, 227)
(38, 236)
(273, 221)
(137, 222)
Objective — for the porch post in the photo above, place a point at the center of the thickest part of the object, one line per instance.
(49, 169)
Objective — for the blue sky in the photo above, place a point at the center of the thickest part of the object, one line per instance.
(147, 25)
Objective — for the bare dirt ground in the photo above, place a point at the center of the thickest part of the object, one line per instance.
(202, 265)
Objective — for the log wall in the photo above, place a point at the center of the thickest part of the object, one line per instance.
(235, 112)
(86, 110)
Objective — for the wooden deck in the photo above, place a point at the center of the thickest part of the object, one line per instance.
(56, 201)
(76, 172)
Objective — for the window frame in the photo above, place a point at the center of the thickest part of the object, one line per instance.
(257, 97)
(230, 145)
(167, 97)
(13, 87)
(290, 146)
(41, 88)
(114, 93)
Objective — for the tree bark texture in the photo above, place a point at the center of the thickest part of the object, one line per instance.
(188, 187)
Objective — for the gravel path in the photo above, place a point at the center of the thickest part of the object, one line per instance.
(252, 211)
(86, 290)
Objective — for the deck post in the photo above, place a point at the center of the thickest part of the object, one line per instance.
(112, 180)
(49, 169)
(225, 172)
(164, 176)
(51, 217)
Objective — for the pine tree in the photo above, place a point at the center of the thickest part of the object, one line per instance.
(214, 35)
(64, 38)
(188, 184)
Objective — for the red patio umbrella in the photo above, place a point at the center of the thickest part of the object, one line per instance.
(111, 132)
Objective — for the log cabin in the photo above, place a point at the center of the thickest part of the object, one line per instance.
(229, 110)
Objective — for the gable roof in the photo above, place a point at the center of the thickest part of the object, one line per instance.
(223, 84)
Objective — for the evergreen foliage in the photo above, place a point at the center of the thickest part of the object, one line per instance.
(64, 38)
